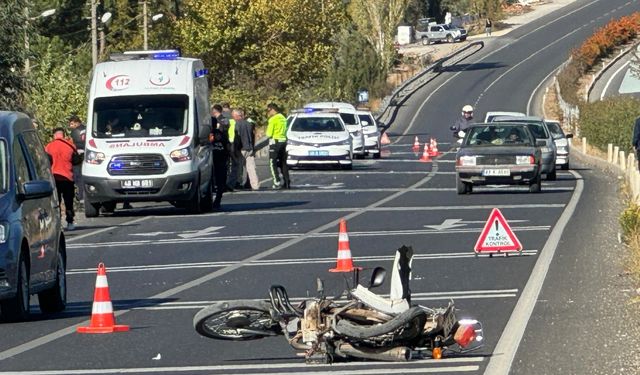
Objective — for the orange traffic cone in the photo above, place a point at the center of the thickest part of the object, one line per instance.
(416, 145)
(385, 139)
(102, 318)
(344, 262)
(426, 154)
(434, 147)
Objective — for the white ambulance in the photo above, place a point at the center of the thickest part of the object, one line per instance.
(148, 127)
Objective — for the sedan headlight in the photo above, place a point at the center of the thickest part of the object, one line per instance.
(93, 157)
(563, 150)
(525, 159)
(4, 232)
(183, 154)
(356, 134)
(291, 142)
(467, 161)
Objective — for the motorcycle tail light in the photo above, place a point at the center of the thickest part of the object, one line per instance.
(465, 334)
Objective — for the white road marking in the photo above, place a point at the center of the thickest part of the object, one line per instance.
(200, 233)
(304, 189)
(395, 367)
(94, 232)
(505, 351)
(276, 262)
(301, 236)
(613, 76)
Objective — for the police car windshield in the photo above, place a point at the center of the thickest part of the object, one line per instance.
(366, 118)
(317, 124)
(4, 168)
(140, 116)
(349, 118)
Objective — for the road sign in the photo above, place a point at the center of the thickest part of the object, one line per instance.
(497, 236)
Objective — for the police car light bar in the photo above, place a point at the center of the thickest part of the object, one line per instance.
(314, 110)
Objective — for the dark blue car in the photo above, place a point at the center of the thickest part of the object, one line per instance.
(32, 245)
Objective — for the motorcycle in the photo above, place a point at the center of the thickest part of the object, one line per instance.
(363, 325)
(458, 136)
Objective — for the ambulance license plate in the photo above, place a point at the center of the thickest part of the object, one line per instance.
(136, 184)
(496, 172)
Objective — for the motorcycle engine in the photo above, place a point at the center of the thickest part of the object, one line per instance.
(311, 324)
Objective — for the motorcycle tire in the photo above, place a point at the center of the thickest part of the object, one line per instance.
(358, 331)
(236, 320)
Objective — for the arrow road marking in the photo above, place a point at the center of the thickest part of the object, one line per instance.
(200, 233)
(454, 223)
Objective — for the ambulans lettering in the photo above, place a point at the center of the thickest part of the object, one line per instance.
(136, 144)
(118, 83)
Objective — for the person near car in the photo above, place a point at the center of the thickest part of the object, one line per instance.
(636, 139)
(465, 120)
(61, 151)
(78, 135)
(235, 154)
(277, 134)
(244, 131)
(487, 26)
(220, 152)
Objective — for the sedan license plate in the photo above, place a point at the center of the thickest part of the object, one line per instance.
(318, 153)
(136, 184)
(496, 172)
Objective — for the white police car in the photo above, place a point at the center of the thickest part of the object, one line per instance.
(318, 137)
(351, 121)
(371, 132)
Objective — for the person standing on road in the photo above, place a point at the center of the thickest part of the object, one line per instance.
(78, 135)
(61, 152)
(487, 26)
(244, 131)
(636, 139)
(276, 132)
(220, 153)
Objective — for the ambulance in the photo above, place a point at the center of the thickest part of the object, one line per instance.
(148, 128)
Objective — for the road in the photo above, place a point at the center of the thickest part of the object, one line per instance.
(163, 266)
(618, 79)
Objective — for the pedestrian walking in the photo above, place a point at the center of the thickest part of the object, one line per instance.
(276, 132)
(244, 130)
(636, 139)
(220, 153)
(487, 26)
(78, 135)
(62, 153)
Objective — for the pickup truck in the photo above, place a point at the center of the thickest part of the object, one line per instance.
(439, 33)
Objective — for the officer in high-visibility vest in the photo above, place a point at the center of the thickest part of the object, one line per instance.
(277, 133)
(235, 156)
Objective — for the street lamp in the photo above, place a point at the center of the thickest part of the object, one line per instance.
(46, 13)
(104, 20)
(145, 23)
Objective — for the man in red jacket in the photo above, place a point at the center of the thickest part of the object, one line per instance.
(61, 152)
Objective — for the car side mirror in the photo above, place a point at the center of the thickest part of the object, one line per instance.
(541, 143)
(377, 277)
(569, 135)
(35, 189)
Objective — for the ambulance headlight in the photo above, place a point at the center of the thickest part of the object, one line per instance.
(183, 154)
(93, 157)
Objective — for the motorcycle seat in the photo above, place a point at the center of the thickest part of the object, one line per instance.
(376, 302)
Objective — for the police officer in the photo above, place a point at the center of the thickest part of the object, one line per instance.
(220, 152)
(276, 131)
(78, 135)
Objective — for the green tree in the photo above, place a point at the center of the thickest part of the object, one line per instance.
(13, 30)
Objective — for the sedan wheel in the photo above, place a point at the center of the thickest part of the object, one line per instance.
(463, 187)
(552, 175)
(17, 308)
(535, 186)
(55, 299)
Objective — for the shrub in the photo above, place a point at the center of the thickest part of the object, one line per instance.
(609, 121)
(630, 220)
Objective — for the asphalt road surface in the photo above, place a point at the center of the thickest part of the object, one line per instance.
(163, 266)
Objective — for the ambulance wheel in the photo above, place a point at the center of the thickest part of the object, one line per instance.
(91, 209)
(206, 204)
(109, 206)
(194, 205)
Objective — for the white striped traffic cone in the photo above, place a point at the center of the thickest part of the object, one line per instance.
(102, 318)
(344, 262)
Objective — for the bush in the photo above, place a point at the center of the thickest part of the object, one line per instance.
(609, 121)
(630, 220)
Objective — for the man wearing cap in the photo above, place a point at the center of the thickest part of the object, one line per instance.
(276, 132)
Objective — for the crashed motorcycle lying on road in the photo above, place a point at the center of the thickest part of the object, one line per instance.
(364, 325)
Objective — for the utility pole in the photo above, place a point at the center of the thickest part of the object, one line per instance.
(94, 32)
(144, 24)
(27, 65)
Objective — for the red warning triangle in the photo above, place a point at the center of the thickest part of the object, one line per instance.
(497, 236)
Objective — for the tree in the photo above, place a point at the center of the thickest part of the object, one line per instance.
(13, 30)
(377, 21)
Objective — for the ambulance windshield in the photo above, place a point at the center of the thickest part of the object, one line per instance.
(140, 116)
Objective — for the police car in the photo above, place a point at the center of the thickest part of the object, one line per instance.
(371, 132)
(351, 121)
(318, 137)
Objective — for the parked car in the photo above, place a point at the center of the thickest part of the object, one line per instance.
(318, 137)
(498, 153)
(31, 240)
(351, 121)
(493, 114)
(561, 141)
(371, 132)
(538, 127)
(439, 33)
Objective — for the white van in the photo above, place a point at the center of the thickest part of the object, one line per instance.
(351, 121)
(148, 127)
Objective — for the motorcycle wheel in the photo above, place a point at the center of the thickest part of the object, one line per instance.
(415, 316)
(236, 320)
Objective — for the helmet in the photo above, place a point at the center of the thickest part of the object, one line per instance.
(467, 108)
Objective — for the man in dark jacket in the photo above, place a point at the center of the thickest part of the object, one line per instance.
(78, 135)
(220, 151)
(244, 129)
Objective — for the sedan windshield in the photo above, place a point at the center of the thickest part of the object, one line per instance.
(140, 116)
(537, 128)
(4, 168)
(317, 124)
(498, 135)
